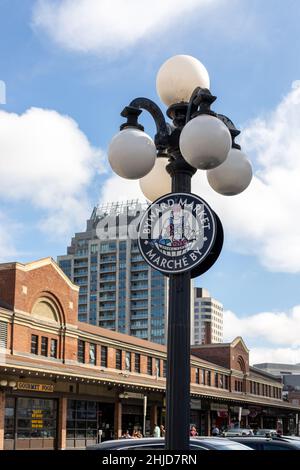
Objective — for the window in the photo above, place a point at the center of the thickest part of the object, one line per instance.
(103, 356)
(44, 346)
(31, 418)
(209, 378)
(119, 359)
(221, 381)
(137, 363)
(34, 344)
(238, 385)
(216, 379)
(226, 382)
(93, 354)
(128, 361)
(81, 352)
(164, 368)
(157, 367)
(149, 366)
(197, 379)
(53, 348)
(203, 377)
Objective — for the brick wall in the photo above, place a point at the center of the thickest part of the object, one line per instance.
(7, 285)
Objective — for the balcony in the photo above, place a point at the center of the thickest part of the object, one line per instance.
(80, 263)
(106, 269)
(107, 307)
(110, 259)
(139, 267)
(81, 272)
(105, 297)
(107, 318)
(143, 326)
(138, 277)
(108, 288)
(80, 281)
(136, 258)
(107, 278)
(142, 305)
(139, 316)
(139, 286)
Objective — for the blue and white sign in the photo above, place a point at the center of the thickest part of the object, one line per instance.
(177, 232)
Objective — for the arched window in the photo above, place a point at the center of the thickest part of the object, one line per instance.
(46, 310)
(241, 364)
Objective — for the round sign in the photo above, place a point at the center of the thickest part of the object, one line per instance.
(214, 253)
(177, 232)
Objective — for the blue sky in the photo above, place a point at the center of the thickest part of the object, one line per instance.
(69, 69)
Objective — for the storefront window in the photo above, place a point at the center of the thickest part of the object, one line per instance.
(9, 418)
(86, 418)
(30, 418)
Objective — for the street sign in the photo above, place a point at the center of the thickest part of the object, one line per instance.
(177, 233)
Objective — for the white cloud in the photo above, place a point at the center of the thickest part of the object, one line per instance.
(109, 26)
(7, 230)
(279, 330)
(263, 220)
(119, 189)
(281, 355)
(47, 161)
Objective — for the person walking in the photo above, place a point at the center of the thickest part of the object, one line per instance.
(156, 431)
(215, 431)
(193, 431)
(162, 431)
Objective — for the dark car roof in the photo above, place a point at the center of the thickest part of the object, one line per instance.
(209, 443)
(272, 442)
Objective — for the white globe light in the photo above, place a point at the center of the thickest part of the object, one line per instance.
(205, 142)
(131, 153)
(158, 181)
(178, 77)
(233, 176)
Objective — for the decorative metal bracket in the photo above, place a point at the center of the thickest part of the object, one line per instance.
(200, 103)
(232, 129)
(135, 108)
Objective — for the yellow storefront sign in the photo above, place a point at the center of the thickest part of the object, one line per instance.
(35, 387)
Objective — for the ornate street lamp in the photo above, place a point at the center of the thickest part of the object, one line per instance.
(197, 138)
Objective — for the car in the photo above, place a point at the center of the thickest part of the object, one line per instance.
(265, 432)
(152, 443)
(287, 438)
(231, 432)
(267, 443)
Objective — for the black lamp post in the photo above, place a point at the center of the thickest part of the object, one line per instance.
(198, 138)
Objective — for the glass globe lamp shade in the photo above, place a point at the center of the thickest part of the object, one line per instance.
(205, 142)
(233, 176)
(157, 182)
(131, 153)
(178, 77)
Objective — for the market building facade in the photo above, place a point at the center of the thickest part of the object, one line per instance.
(68, 384)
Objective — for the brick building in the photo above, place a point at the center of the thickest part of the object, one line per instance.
(63, 381)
